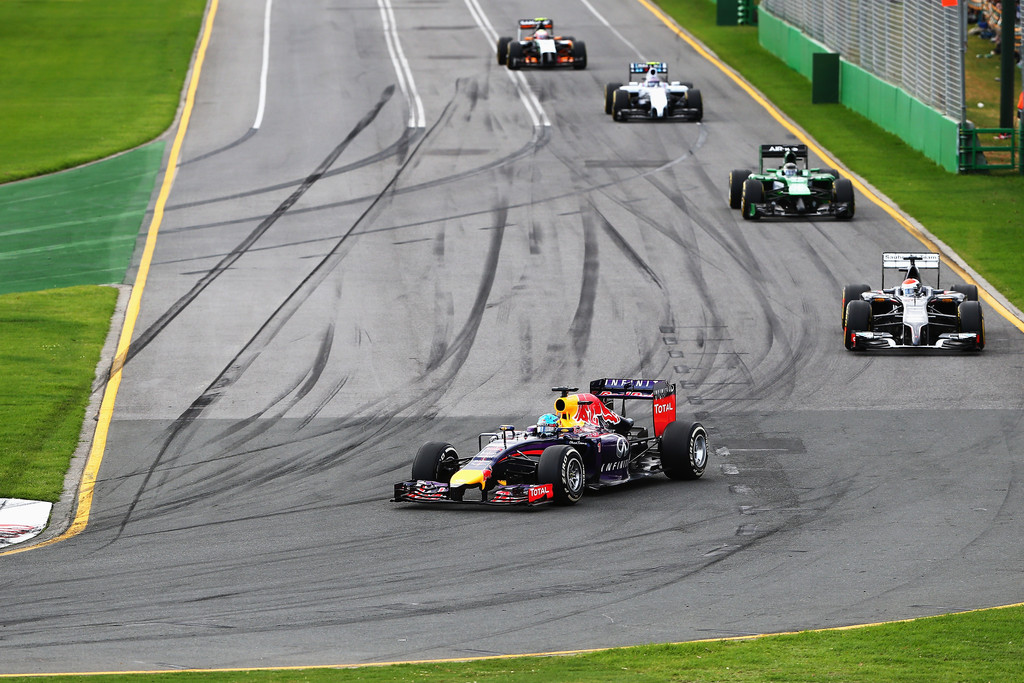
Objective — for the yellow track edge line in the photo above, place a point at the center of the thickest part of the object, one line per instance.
(106, 411)
(926, 240)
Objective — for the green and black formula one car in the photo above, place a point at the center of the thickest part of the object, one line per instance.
(792, 189)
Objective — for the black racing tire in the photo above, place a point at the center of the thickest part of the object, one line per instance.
(842, 193)
(858, 319)
(609, 94)
(620, 101)
(736, 178)
(970, 291)
(684, 451)
(852, 293)
(972, 321)
(563, 468)
(435, 461)
(515, 55)
(752, 195)
(834, 172)
(503, 49)
(696, 102)
(579, 55)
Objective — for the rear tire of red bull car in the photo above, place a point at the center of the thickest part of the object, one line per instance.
(684, 452)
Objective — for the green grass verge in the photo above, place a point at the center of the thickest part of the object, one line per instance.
(976, 646)
(78, 227)
(50, 345)
(980, 216)
(85, 79)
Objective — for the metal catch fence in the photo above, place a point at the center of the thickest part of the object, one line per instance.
(912, 44)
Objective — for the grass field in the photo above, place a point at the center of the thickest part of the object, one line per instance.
(980, 216)
(88, 78)
(50, 345)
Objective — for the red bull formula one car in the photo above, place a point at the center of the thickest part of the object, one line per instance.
(584, 444)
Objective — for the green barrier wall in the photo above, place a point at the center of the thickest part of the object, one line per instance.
(923, 128)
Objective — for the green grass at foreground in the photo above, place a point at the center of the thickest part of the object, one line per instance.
(981, 217)
(974, 646)
(50, 345)
(85, 79)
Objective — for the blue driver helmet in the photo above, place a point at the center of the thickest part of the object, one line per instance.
(547, 424)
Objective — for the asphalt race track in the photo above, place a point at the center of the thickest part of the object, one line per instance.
(347, 280)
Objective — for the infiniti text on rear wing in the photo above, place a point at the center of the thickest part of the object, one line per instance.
(662, 395)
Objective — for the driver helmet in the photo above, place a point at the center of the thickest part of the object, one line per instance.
(911, 287)
(547, 424)
(652, 79)
(789, 169)
(542, 34)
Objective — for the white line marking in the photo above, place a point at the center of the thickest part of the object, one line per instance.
(402, 70)
(529, 100)
(614, 30)
(264, 68)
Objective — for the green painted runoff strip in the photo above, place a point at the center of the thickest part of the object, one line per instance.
(78, 227)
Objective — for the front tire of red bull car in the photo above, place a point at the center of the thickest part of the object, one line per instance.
(684, 452)
(435, 461)
(562, 467)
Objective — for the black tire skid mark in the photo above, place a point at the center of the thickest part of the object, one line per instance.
(583, 317)
(459, 350)
(396, 148)
(150, 333)
(178, 433)
(582, 321)
(231, 145)
(738, 249)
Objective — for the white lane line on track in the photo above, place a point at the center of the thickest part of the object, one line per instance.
(402, 70)
(264, 67)
(529, 100)
(631, 46)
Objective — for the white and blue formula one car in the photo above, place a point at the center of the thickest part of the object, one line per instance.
(912, 315)
(649, 95)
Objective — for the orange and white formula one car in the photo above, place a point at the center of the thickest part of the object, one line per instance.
(537, 45)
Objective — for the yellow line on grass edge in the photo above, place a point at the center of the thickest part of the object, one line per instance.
(106, 412)
(802, 136)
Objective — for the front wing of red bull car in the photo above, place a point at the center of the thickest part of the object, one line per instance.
(590, 446)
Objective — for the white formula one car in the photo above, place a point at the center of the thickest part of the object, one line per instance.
(652, 96)
(912, 315)
(536, 45)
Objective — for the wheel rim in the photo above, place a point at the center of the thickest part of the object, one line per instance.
(700, 450)
(574, 475)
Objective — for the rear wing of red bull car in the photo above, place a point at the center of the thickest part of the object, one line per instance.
(660, 393)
